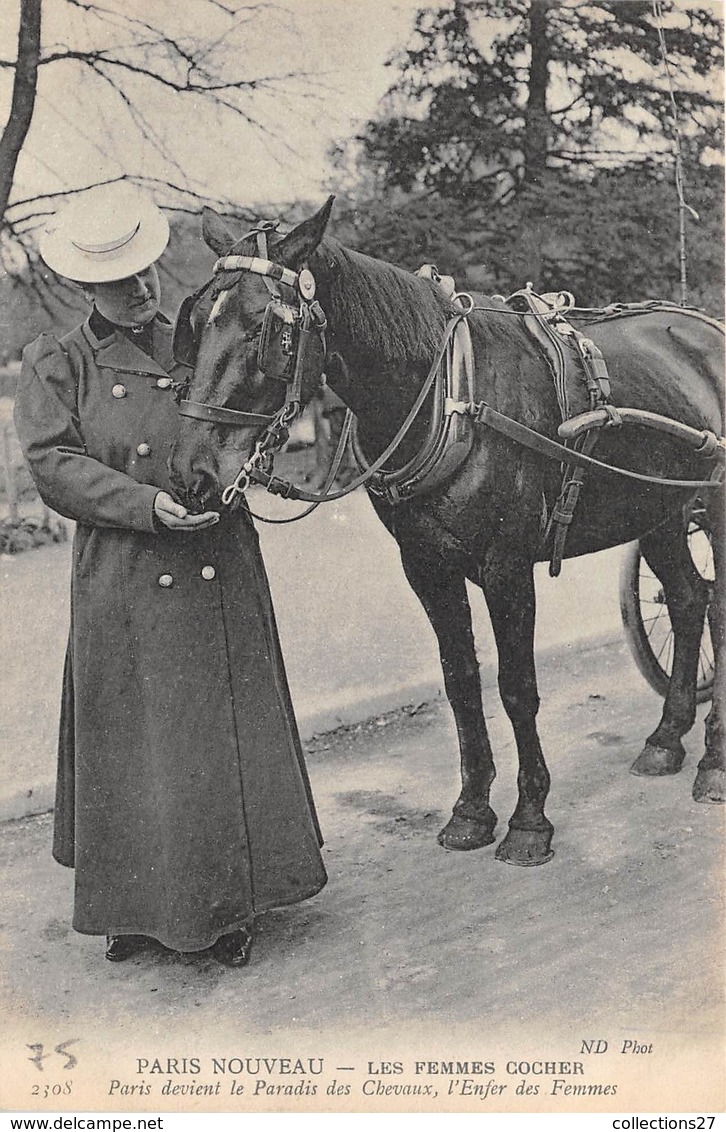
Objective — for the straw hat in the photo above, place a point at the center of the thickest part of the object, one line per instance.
(104, 234)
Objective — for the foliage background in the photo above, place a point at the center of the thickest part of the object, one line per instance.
(517, 140)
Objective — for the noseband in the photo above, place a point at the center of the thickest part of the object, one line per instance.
(292, 345)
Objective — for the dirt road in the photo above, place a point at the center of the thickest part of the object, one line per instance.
(411, 948)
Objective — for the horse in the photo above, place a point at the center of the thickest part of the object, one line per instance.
(382, 327)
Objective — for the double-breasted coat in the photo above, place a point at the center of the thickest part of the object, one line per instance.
(183, 800)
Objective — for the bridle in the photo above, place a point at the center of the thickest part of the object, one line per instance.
(292, 347)
(300, 345)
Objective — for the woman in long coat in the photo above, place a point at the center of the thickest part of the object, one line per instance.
(183, 801)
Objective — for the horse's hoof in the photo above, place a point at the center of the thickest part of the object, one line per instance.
(710, 785)
(461, 833)
(656, 761)
(526, 847)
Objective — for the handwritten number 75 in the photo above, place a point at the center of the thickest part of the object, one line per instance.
(62, 1050)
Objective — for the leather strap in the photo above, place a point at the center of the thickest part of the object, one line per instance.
(202, 412)
(257, 266)
(705, 442)
(564, 509)
(512, 429)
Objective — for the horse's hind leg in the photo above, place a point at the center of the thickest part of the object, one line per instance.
(710, 784)
(443, 595)
(508, 584)
(686, 594)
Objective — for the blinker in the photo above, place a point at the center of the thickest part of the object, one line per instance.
(278, 341)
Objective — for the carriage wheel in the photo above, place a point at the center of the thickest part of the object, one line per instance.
(645, 614)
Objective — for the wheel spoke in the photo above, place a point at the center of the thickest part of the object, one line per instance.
(657, 616)
(707, 659)
(666, 642)
(647, 618)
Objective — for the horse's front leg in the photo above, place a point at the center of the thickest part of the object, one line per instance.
(508, 583)
(443, 595)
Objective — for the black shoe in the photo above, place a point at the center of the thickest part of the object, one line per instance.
(234, 949)
(121, 947)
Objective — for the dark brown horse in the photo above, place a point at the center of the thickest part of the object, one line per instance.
(384, 327)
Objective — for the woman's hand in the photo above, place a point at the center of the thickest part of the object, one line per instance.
(176, 517)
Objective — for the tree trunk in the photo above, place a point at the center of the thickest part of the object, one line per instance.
(24, 90)
(537, 123)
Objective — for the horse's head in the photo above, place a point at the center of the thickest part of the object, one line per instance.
(255, 338)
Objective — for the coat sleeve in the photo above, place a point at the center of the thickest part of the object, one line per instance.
(68, 479)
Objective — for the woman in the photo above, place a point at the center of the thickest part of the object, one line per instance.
(182, 800)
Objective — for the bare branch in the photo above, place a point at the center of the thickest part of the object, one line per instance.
(130, 53)
(141, 122)
(185, 191)
(64, 192)
(94, 59)
(112, 15)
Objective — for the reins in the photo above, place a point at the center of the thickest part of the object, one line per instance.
(277, 425)
(282, 487)
(258, 467)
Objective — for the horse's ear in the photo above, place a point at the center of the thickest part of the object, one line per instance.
(303, 240)
(216, 234)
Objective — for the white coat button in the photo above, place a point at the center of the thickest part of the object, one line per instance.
(208, 572)
(166, 580)
(164, 382)
(118, 391)
(143, 449)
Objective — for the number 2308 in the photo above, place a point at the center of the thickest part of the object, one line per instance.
(63, 1089)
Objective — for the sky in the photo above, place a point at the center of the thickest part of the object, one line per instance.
(341, 44)
(81, 131)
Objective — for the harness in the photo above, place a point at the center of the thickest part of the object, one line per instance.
(292, 349)
(566, 349)
(449, 436)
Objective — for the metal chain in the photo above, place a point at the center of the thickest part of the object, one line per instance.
(242, 480)
(269, 443)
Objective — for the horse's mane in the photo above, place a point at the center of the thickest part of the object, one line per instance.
(394, 314)
(383, 309)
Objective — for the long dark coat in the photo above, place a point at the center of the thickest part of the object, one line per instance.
(183, 800)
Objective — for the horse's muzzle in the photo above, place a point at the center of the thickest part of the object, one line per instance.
(194, 477)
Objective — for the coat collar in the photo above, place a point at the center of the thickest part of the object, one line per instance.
(118, 352)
